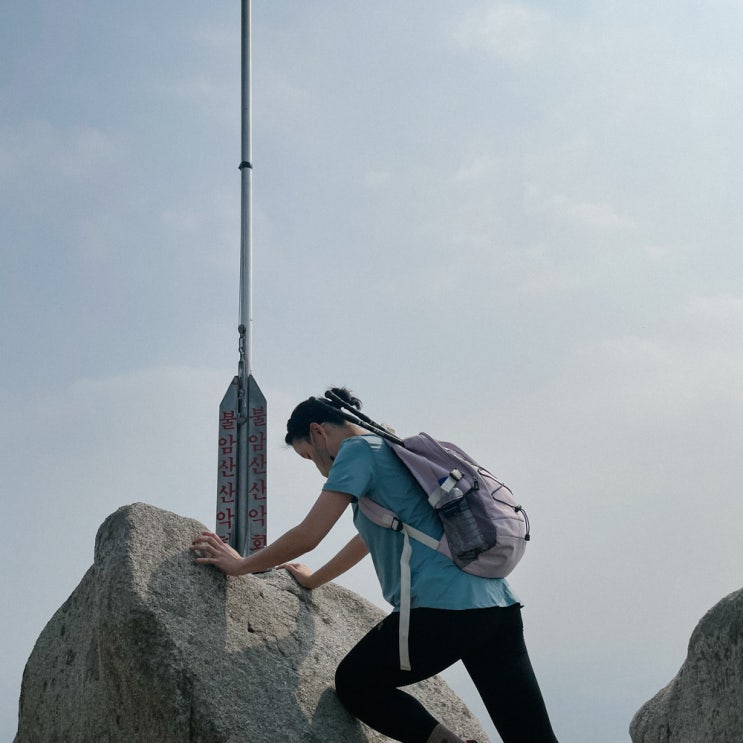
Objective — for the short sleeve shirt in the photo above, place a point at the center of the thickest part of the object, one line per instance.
(366, 467)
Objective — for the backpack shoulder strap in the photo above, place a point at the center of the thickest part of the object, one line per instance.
(387, 519)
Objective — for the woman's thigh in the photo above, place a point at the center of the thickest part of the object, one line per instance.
(437, 639)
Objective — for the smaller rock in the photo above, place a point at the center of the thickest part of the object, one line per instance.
(703, 704)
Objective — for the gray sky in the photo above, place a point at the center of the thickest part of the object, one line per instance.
(513, 225)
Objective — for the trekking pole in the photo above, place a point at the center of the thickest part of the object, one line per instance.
(354, 415)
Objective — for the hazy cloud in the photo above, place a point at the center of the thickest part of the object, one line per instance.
(511, 31)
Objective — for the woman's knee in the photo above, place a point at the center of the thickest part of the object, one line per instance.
(348, 683)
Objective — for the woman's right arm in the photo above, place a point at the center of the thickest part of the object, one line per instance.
(349, 556)
(302, 538)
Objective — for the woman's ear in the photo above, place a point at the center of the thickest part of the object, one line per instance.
(316, 429)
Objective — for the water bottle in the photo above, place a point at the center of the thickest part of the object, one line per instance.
(465, 538)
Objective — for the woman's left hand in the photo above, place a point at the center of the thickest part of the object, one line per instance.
(301, 573)
(217, 553)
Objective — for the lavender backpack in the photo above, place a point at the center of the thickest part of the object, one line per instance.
(485, 529)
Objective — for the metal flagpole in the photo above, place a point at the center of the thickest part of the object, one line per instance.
(246, 190)
(241, 477)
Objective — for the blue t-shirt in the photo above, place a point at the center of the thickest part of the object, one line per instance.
(366, 466)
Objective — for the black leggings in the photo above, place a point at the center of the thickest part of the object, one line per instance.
(490, 643)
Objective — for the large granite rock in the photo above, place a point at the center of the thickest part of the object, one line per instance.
(152, 647)
(704, 703)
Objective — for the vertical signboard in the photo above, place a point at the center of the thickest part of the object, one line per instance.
(256, 470)
(227, 456)
(242, 469)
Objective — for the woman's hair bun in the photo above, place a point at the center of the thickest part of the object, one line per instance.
(347, 396)
(319, 410)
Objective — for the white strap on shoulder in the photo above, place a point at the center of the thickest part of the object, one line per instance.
(419, 536)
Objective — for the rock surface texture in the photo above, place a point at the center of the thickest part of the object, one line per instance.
(704, 703)
(152, 647)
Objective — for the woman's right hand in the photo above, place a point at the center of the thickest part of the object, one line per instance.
(215, 552)
(301, 573)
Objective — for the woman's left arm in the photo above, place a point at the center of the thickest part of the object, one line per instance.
(349, 556)
(302, 538)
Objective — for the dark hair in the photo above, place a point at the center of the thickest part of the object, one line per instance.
(317, 410)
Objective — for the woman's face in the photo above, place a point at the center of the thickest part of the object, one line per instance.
(315, 448)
